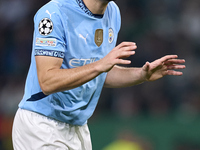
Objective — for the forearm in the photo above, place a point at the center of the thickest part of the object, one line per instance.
(120, 77)
(53, 79)
(56, 80)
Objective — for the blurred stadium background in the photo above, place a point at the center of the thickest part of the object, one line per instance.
(161, 115)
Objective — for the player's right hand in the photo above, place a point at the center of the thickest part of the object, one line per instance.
(117, 55)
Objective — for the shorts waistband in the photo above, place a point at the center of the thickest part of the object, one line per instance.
(35, 114)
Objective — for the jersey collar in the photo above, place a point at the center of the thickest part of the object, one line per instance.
(86, 10)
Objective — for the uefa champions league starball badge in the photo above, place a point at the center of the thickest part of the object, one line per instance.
(111, 35)
(45, 26)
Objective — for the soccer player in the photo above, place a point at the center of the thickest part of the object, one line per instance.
(73, 57)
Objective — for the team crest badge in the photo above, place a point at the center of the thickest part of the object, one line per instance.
(111, 35)
(99, 37)
(45, 26)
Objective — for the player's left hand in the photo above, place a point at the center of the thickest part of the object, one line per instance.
(162, 67)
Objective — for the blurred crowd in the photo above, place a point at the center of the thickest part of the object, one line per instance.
(159, 27)
(16, 29)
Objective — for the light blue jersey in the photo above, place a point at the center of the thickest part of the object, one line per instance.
(68, 30)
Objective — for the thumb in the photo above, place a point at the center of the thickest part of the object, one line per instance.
(146, 66)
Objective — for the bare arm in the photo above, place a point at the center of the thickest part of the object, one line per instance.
(124, 77)
(53, 79)
(120, 77)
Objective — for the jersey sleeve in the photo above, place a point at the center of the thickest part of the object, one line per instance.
(117, 15)
(118, 18)
(49, 33)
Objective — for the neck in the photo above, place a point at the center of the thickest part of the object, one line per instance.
(96, 6)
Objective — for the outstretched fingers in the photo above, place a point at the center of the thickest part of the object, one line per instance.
(125, 44)
(174, 61)
(160, 62)
(172, 67)
(123, 61)
(166, 65)
(124, 50)
(175, 64)
(167, 58)
(174, 73)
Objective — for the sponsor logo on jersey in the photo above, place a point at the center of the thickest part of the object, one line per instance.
(45, 42)
(52, 53)
(111, 35)
(84, 38)
(81, 62)
(50, 14)
(99, 37)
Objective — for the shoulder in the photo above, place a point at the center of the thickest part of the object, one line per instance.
(56, 9)
(50, 12)
(115, 13)
(47, 10)
(113, 6)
